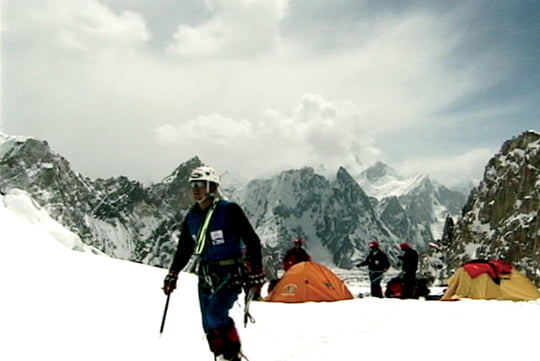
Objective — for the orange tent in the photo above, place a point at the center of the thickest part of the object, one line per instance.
(309, 281)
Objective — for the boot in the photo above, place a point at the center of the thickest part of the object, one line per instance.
(231, 342)
(236, 357)
(215, 342)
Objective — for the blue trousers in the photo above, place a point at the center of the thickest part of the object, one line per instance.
(222, 336)
(215, 307)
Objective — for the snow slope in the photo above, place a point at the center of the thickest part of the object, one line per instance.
(59, 304)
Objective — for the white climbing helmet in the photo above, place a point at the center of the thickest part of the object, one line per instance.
(205, 174)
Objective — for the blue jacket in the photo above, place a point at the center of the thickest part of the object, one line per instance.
(222, 241)
(229, 236)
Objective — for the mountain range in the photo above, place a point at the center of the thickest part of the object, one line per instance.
(338, 216)
(127, 220)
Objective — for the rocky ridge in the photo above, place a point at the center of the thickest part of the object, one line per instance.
(501, 216)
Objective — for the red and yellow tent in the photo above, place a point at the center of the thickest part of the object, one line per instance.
(490, 280)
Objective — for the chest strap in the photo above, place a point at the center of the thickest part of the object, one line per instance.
(201, 235)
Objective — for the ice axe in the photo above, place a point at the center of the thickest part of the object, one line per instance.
(164, 315)
(250, 293)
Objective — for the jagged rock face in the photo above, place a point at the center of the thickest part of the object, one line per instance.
(500, 219)
(275, 207)
(119, 217)
(396, 218)
(174, 190)
(354, 224)
(435, 261)
(29, 165)
(335, 217)
(419, 202)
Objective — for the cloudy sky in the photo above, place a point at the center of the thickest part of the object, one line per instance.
(136, 87)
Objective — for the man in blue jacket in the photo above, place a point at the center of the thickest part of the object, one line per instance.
(223, 249)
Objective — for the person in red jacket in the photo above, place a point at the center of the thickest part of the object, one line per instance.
(295, 255)
(409, 265)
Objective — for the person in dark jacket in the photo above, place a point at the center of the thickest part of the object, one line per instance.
(377, 263)
(409, 265)
(221, 246)
(295, 255)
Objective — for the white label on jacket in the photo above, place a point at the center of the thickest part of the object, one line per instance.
(217, 237)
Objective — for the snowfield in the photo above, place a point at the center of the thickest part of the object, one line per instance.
(59, 304)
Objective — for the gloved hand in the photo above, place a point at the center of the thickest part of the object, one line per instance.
(255, 276)
(255, 280)
(169, 283)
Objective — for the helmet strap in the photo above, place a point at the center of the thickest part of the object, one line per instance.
(200, 201)
(214, 194)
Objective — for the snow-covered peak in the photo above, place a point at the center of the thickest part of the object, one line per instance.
(12, 138)
(379, 172)
(182, 171)
(8, 141)
(381, 181)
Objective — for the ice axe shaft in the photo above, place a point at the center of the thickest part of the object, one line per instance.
(249, 297)
(164, 315)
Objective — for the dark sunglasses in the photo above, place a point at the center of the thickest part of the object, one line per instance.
(197, 184)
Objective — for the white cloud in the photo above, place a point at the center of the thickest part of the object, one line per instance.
(83, 27)
(315, 132)
(166, 134)
(451, 170)
(237, 29)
